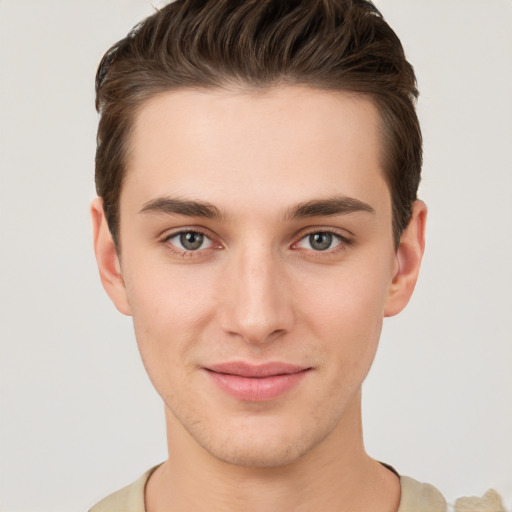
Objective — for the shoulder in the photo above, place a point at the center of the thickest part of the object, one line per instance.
(491, 501)
(422, 497)
(415, 497)
(127, 499)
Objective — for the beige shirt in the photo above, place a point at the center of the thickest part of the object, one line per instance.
(415, 497)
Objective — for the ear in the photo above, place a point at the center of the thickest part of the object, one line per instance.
(108, 259)
(408, 257)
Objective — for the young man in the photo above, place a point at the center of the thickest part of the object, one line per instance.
(257, 169)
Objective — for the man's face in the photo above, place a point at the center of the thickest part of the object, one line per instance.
(257, 259)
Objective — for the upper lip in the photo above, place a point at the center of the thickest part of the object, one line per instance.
(244, 369)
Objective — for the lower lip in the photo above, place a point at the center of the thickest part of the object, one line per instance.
(257, 389)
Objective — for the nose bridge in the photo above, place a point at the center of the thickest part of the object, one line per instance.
(258, 308)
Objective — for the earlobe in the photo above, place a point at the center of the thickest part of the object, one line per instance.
(107, 258)
(409, 255)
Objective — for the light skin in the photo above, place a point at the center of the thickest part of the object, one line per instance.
(256, 228)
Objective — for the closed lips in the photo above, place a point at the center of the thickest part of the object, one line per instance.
(256, 383)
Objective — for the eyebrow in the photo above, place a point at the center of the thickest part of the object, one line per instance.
(326, 207)
(170, 205)
(314, 208)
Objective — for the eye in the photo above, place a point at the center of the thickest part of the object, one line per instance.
(320, 241)
(190, 241)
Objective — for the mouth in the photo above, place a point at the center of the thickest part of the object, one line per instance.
(256, 383)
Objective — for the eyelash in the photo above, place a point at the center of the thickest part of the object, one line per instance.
(343, 242)
(188, 252)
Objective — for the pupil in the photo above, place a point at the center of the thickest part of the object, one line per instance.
(191, 241)
(320, 241)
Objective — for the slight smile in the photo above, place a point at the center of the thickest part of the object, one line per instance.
(256, 383)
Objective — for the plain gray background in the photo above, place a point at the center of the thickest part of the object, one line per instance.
(79, 417)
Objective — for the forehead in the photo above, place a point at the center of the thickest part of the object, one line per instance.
(283, 144)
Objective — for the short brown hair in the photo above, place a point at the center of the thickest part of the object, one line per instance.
(336, 45)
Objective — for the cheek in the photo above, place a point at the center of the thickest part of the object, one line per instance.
(170, 309)
(162, 295)
(346, 312)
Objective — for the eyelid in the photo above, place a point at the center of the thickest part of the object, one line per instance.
(342, 234)
(204, 240)
(165, 239)
(344, 239)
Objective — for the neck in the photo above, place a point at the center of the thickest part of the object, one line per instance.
(336, 475)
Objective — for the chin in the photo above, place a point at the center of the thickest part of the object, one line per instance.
(258, 456)
(251, 458)
(262, 447)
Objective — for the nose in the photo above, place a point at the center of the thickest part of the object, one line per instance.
(256, 305)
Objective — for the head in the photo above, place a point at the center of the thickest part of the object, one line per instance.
(332, 45)
(257, 170)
